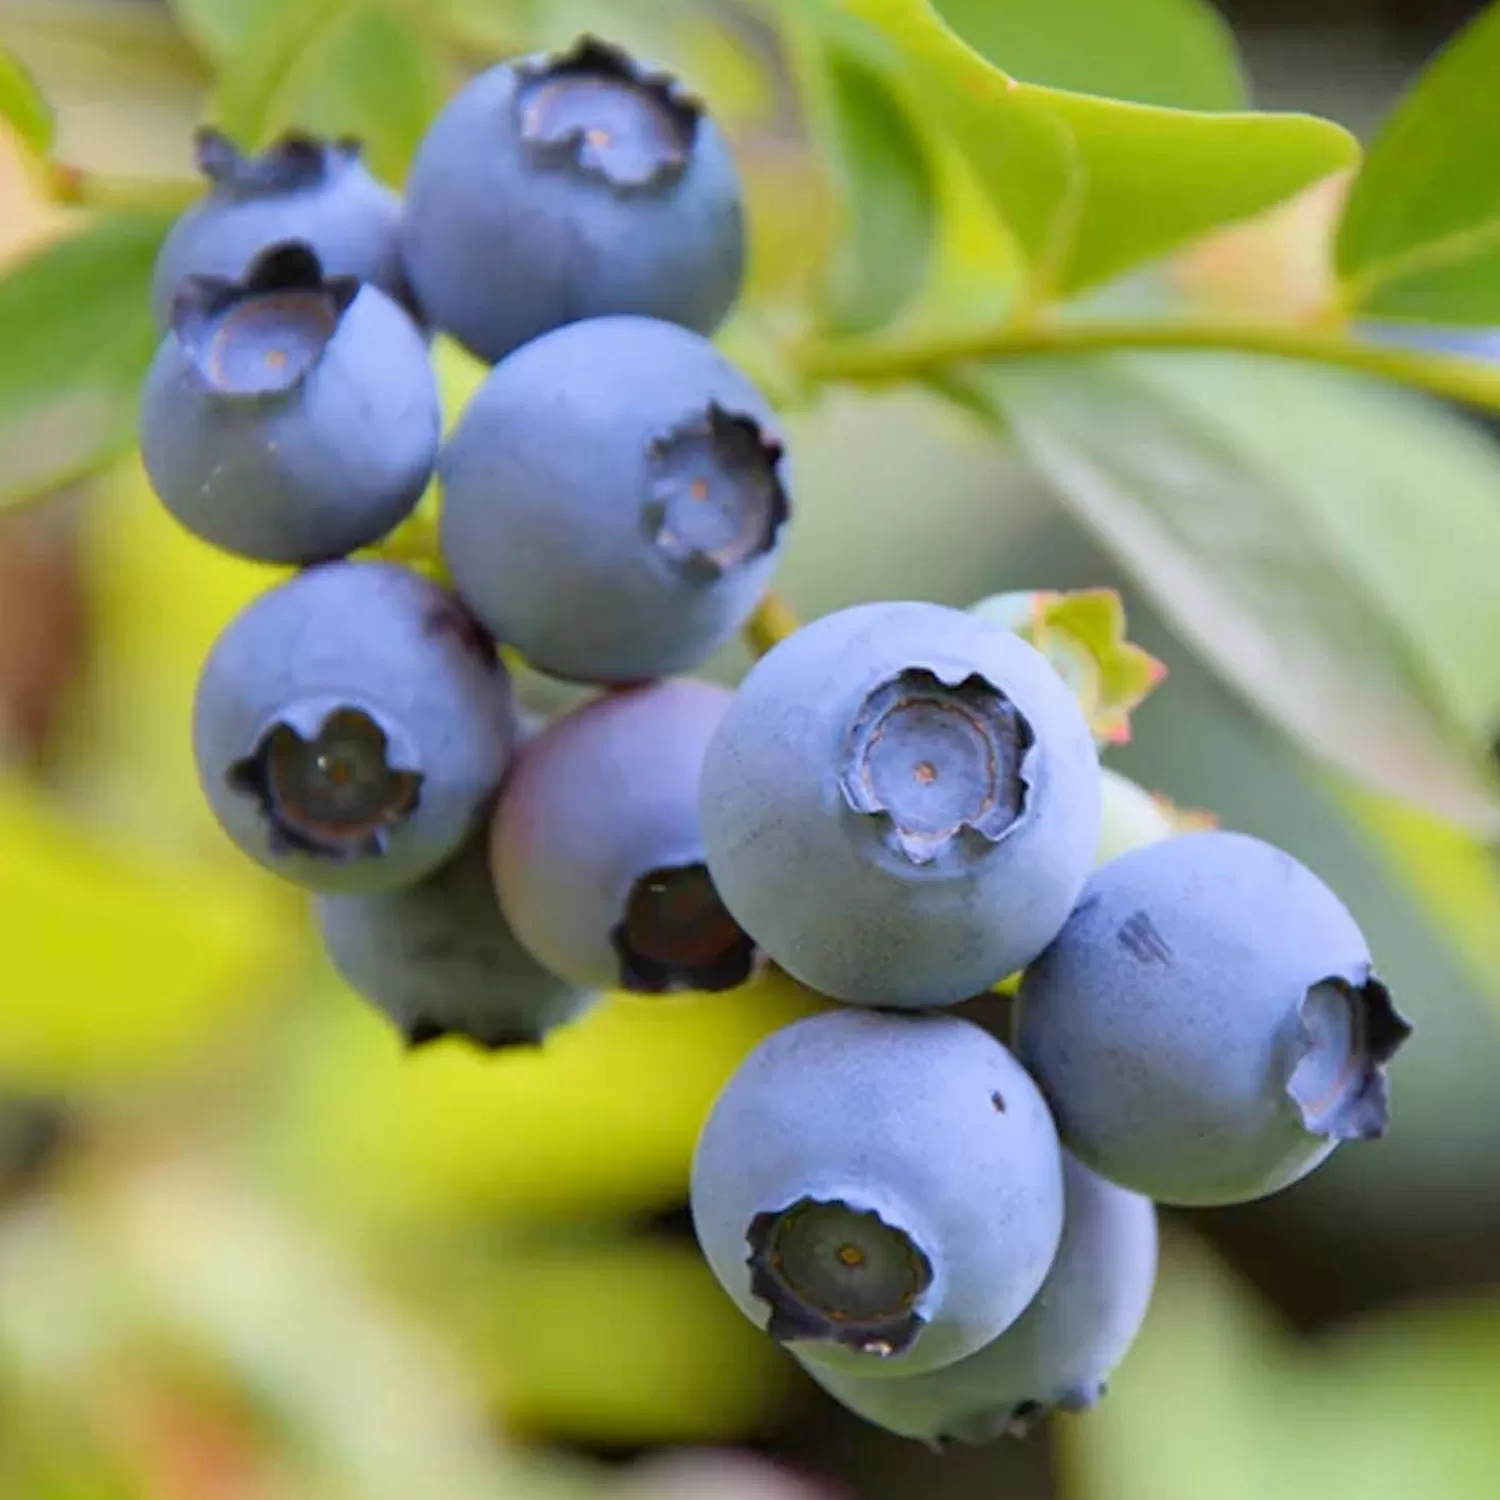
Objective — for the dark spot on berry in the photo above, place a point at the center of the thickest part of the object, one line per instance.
(449, 617)
(998, 1100)
(1139, 937)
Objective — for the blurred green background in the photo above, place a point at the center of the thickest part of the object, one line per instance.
(250, 1249)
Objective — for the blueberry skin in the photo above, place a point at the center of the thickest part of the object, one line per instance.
(569, 523)
(431, 705)
(830, 886)
(438, 958)
(598, 802)
(300, 188)
(1208, 1026)
(515, 224)
(290, 463)
(926, 1121)
(1057, 1355)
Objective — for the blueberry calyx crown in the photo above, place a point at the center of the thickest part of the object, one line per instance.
(332, 793)
(837, 1274)
(675, 934)
(423, 1033)
(289, 164)
(261, 336)
(716, 500)
(595, 109)
(941, 763)
(1347, 1033)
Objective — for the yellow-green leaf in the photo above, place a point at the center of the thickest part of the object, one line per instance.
(77, 335)
(1179, 53)
(117, 963)
(24, 107)
(364, 68)
(872, 147)
(1420, 234)
(1093, 187)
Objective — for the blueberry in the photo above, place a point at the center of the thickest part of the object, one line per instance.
(439, 959)
(901, 804)
(597, 853)
(1208, 1026)
(571, 186)
(614, 498)
(1057, 1355)
(300, 188)
(882, 1192)
(290, 418)
(352, 726)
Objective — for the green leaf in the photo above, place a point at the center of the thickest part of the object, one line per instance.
(1091, 187)
(24, 107)
(1420, 233)
(1451, 875)
(1329, 546)
(1389, 1407)
(221, 27)
(869, 142)
(75, 324)
(1179, 53)
(339, 67)
(263, 67)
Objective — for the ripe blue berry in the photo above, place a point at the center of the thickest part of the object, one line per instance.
(351, 727)
(438, 958)
(614, 497)
(597, 853)
(1208, 1026)
(883, 1192)
(901, 805)
(1057, 1355)
(289, 418)
(566, 187)
(300, 188)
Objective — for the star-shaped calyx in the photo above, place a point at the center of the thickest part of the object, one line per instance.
(1082, 634)
(261, 336)
(333, 794)
(596, 111)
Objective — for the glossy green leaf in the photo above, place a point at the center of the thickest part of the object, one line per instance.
(1179, 53)
(1093, 187)
(1420, 234)
(869, 142)
(1328, 544)
(339, 67)
(75, 325)
(24, 107)
(219, 27)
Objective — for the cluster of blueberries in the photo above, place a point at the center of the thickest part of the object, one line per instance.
(900, 806)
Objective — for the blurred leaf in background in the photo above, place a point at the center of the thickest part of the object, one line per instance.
(1215, 1400)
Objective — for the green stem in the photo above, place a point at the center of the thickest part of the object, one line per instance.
(73, 185)
(879, 361)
